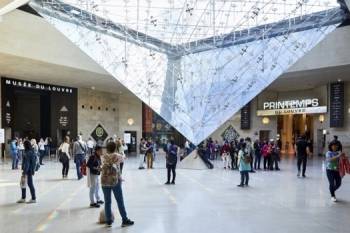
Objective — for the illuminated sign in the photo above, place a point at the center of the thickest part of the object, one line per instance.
(286, 107)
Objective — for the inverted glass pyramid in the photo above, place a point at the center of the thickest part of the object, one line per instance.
(195, 63)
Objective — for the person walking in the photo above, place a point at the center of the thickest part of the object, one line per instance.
(257, 154)
(29, 162)
(275, 156)
(332, 168)
(111, 182)
(244, 160)
(149, 154)
(302, 150)
(143, 148)
(14, 153)
(171, 161)
(41, 146)
(265, 151)
(20, 147)
(79, 153)
(250, 151)
(120, 150)
(64, 156)
(225, 155)
(94, 165)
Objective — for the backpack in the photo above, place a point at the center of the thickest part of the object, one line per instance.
(247, 158)
(109, 172)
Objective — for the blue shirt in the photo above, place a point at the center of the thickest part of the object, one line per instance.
(332, 164)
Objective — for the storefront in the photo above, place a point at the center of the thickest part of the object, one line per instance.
(295, 117)
(37, 110)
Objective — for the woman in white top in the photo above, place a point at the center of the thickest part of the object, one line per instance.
(41, 146)
(64, 156)
(20, 148)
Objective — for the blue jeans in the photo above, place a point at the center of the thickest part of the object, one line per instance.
(94, 189)
(79, 159)
(118, 194)
(31, 187)
(14, 160)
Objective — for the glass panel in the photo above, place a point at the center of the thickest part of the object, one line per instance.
(194, 87)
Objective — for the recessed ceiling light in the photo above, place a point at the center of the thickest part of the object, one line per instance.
(93, 88)
(339, 80)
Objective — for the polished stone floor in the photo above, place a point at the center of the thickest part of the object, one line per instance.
(201, 201)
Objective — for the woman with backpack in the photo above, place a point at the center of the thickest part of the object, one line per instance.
(29, 163)
(111, 182)
(64, 156)
(94, 165)
(244, 160)
(171, 161)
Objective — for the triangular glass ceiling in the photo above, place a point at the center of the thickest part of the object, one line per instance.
(195, 63)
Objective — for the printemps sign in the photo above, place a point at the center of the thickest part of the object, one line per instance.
(286, 107)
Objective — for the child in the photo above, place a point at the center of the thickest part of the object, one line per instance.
(94, 165)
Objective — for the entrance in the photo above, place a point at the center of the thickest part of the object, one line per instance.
(290, 127)
(31, 114)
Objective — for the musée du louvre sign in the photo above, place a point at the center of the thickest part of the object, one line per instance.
(37, 86)
(286, 107)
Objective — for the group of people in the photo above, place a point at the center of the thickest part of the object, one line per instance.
(267, 152)
(105, 169)
(41, 149)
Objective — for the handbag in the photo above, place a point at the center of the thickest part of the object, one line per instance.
(83, 168)
(23, 182)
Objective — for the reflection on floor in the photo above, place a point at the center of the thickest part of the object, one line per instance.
(201, 201)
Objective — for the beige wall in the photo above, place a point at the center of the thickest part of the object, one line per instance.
(89, 118)
(120, 107)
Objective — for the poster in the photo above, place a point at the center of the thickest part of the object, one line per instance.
(127, 138)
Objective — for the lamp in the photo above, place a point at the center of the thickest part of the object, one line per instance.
(265, 120)
(321, 118)
(130, 121)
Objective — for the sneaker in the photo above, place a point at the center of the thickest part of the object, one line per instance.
(240, 185)
(304, 176)
(31, 201)
(298, 175)
(100, 202)
(95, 205)
(173, 182)
(109, 224)
(334, 199)
(140, 168)
(127, 223)
(167, 182)
(21, 201)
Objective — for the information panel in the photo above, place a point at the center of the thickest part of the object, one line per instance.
(336, 105)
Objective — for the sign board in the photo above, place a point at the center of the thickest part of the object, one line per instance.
(245, 117)
(230, 134)
(2, 135)
(99, 134)
(286, 107)
(127, 138)
(336, 105)
(311, 110)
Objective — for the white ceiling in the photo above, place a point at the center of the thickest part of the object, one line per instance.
(34, 70)
(309, 79)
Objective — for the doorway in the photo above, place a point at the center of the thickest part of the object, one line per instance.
(31, 114)
(290, 127)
